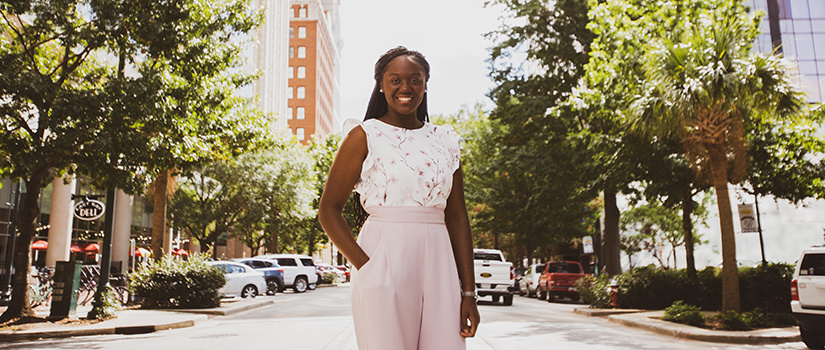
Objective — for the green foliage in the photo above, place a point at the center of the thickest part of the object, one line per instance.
(680, 312)
(594, 290)
(177, 283)
(732, 321)
(766, 287)
(655, 224)
(110, 304)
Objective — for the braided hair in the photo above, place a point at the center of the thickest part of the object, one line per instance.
(377, 107)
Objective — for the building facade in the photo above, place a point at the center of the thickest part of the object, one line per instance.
(314, 56)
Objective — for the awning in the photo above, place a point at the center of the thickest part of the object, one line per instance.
(76, 248)
(142, 252)
(92, 248)
(40, 245)
(180, 252)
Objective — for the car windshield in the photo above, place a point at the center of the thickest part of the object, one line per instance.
(488, 256)
(812, 265)
(564, 268)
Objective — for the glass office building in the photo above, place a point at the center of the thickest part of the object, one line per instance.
(796, 28)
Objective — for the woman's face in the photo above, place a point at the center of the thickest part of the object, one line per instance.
(404, 84)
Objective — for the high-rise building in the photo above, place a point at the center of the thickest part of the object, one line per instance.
(314, 56)
(796, 29)
(269, 57)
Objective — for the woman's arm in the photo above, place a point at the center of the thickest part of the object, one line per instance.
(458, 225)
(343, 175)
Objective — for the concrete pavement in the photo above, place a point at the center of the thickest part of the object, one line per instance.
(135, 321)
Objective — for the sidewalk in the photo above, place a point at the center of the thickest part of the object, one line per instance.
(132, 321)
(649, 320)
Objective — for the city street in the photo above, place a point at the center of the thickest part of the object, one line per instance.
(321, 319)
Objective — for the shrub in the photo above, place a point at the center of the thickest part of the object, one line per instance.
(757, 318)
(593, 290)
(766, 287)
(176, 283)
(732, 321)
(683, 313)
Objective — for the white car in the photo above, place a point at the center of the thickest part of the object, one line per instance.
(299, 270)
(808, 296)
(241, 280)
(530, 280)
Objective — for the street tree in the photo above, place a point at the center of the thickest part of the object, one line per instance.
(114, 91)
(702, 86)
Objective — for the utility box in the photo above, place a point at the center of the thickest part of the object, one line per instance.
(66, 289)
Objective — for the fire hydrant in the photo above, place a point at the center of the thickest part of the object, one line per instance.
(613, 289)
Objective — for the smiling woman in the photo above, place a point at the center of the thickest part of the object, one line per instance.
(414, 253)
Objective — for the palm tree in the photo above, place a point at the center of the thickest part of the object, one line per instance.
(703, 87)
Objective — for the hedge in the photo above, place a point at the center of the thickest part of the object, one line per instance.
(177, 283)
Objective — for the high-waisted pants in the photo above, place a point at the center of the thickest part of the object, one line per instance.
(407, 296)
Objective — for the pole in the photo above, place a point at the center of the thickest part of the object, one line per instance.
(5, 284)
(759, 226)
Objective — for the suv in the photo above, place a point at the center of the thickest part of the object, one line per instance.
(808, 296)
(299, 270)
(559, 280)
(273, 273)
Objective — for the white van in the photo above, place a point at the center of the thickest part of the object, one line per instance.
(299, 270)
(808, 296)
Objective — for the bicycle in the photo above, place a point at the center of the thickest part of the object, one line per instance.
(40, 287)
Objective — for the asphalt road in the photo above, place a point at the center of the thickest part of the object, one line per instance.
(321, 319)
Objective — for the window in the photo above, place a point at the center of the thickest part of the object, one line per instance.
(487, 256)
(302, 12)
(299, 133)
(302, 32)
(289, 113)
(286, 262)
(291, 52)
(290, 72)
(301, 92)
(302, 52)
(300, 113)
(813, 265)
(289, 92)
(302, 72)
(291, 32)
(307, 262)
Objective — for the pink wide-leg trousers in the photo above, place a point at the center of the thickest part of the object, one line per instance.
(407, 296)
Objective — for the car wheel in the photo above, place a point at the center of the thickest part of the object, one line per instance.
(523, 291)
(249, 291)
(508, 300)
(814, 340)
(532, 294)
(550, 297)
(300, 284)
(541, 294)
(272, 286)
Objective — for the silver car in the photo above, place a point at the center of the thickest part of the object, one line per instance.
(530, 280)
(241, 280)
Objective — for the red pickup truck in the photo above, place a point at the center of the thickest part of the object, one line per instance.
(559, 280)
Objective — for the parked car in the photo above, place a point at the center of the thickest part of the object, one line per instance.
(344, 269)
(529, 281)
(299, 270)
(559, 280)
(808, 297)
(337, 274)
(273, 273)
(494, 275)
(241, 280)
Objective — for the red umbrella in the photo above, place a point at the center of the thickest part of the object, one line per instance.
(142, 252)
(93, 248)
(76, 248)
(40, 245)
(181, 252)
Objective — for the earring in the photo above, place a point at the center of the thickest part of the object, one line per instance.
(381, 90)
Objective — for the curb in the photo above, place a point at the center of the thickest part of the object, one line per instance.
(224, 311)
(646, 320)
(605, 312)
(63, 333)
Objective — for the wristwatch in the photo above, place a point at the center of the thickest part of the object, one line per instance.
(470, 294)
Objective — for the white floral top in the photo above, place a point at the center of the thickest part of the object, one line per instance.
(407, 167)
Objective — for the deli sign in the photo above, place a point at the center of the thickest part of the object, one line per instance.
(89, 209)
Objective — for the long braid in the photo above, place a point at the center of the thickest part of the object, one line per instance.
(377, 107)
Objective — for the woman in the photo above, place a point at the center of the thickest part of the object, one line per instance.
(414, 286)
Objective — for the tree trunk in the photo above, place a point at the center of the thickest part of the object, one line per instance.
(610, 240)
(20, 303)
(730, 270)
(687, 230)
(159, 214)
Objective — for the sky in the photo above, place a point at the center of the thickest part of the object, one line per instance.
(448, 33)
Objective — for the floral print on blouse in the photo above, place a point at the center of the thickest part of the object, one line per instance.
(407, 167)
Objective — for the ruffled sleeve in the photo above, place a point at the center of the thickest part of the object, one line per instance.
(369, 161)
(451, 141)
